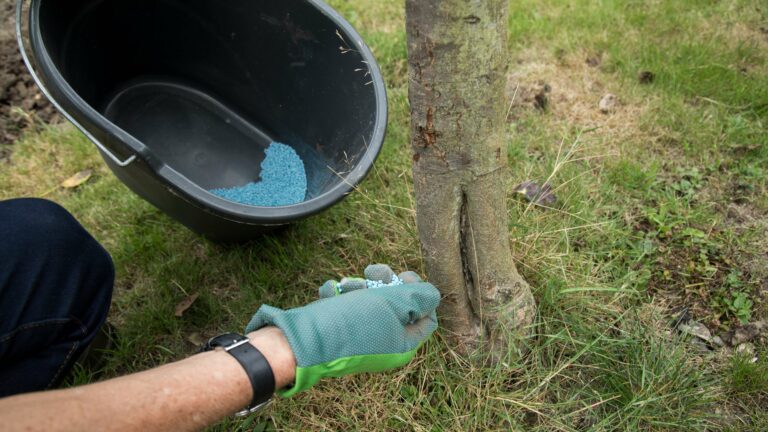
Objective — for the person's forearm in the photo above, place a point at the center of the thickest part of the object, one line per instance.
(187, 395)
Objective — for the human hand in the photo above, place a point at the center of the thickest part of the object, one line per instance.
(354, 329)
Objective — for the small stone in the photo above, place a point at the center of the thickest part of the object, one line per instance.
(646, 77)
(27, 104)
(746, 348)
(718, 342)
(21, 89)
(700, 345)
(740, 336)
(747, 333)
(608, 103)
(696, 329)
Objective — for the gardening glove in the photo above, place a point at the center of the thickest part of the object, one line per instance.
(376, 276)
(365, 330)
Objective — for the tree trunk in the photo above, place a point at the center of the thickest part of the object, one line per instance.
(457, 73)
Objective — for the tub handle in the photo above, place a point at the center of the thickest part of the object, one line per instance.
(44, 90)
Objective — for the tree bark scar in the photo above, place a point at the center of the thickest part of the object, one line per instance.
(471, 19)
(428, 134)
(459, 116)
(430, 51)
(465, 236)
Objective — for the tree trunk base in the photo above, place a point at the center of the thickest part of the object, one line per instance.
(487, 308)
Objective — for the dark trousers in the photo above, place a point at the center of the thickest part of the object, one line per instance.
(55, 290)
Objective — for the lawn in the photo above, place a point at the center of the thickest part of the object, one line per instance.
(661, 215)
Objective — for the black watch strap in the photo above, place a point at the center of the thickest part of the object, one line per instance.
(253, 361)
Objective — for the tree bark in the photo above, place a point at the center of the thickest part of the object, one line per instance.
(457, 74)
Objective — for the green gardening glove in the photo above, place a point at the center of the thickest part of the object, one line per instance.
(357, 330)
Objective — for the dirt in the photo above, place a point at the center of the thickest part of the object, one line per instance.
(570, 88)
(21, 103)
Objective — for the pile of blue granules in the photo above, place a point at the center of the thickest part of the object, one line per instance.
(283, 181)
(380, 284)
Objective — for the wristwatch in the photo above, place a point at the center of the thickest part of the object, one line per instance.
(255, 364)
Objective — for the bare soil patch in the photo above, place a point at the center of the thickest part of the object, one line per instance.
(21, 103)
(571, 88)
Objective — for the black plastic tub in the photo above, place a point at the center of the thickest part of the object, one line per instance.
(183, 96)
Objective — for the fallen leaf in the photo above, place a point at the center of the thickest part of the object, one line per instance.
(538, 194)
(196, 339)
(77, 179)
(185, 304)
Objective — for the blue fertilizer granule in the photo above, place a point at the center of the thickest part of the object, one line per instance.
(283, 181)
(380, 284)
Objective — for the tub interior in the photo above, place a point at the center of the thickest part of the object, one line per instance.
(207, 85)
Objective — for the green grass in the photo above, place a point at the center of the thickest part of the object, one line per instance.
(661, 205)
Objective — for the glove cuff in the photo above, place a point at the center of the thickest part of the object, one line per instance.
(306, 377)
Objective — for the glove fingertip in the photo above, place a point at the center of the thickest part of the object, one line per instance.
(329, 289)
(409, 277)
(425, 295)
(351, 284)
(379, 273)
